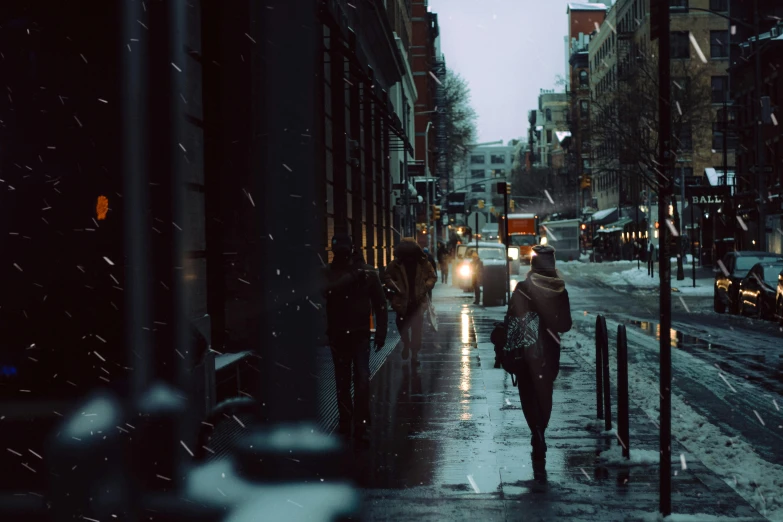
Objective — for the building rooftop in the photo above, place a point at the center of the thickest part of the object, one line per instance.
(584, 6)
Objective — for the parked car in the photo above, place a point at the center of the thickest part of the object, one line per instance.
(757, 290)
(731, 270)
(493, 279)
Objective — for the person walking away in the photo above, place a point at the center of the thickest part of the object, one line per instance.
(544, 293)
(443, 261)
(651, 260)
(411, 277)
(477, 267)
(353, 293)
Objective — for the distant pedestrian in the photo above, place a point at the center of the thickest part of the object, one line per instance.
(411, 277)
(353, 293)
(477, 268)
(651, 260)
(544, 293)
(444, 258)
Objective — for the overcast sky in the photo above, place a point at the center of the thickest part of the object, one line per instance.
(507, 50)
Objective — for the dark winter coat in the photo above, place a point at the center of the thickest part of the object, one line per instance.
(353, 293)
(409, 258)
(432, 262)
(548, 297)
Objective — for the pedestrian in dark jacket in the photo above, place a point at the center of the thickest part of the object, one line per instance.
(443, 261)
(353, 293)
(411, 277)
(477, 268)
(542, 292)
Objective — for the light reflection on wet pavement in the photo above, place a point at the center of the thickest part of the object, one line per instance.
(449, 441)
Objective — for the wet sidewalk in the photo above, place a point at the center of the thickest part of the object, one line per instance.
(449, 442)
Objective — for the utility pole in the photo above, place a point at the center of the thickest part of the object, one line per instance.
(760, 156)
(661, 14)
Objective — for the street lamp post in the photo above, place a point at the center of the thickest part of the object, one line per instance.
(427, 177)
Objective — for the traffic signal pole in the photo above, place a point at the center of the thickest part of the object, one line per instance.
(505, 241)
(665, 188)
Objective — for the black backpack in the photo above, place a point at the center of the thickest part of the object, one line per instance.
(520, 341)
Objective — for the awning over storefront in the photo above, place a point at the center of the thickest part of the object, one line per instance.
(604, 217)
(715, 177)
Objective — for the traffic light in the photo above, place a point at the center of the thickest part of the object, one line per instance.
(585, 182)
(508, 188)
(492, 210)
(511, 205)
(435, 213)
(656, 225)
(481, 203)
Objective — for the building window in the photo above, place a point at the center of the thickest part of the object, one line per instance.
(549, 115)
(477, 159)
(499, 173)
(685, 140)
(718, 44)
(681, 46)
(477, 173)
(717, 138)
(679, 5)
(720, 89)
(549, 137)
(583, 78)
(584, 108)
(719, 5)
(479, 187)
(497, 159)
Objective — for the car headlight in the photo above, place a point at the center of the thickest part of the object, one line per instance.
(513, 253)
(543, 240)
(465, 270)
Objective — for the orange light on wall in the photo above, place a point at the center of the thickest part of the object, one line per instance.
(102, 207)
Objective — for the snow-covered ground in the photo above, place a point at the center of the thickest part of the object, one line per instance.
(638, 278)
(707, 439)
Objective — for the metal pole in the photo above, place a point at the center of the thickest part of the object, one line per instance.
(760, 160)
(623, 428)
(505, 241)
(407, 229)
(638, 235)
(693, 251)
(600, 332)
(475, 232)
(664, 267)
(680, 260)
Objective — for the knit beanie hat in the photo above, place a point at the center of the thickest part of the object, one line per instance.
(543, 260)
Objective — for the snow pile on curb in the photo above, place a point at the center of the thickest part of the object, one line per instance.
(758, 481)
(638, 278)
(701, 517)
(614, 456)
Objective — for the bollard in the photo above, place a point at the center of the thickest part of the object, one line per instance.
(600, 329)
(606, 380)
(622, 391)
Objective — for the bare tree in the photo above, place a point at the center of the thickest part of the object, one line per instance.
(624, 121)
(459, 119)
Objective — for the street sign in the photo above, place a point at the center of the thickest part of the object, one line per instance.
(410, 201)
(766, 169)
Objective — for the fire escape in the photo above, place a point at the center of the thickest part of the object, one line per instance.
(442, 162)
